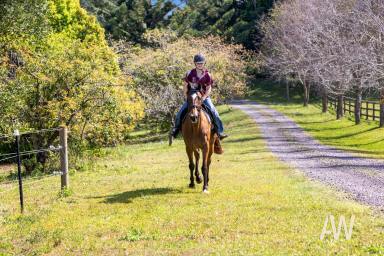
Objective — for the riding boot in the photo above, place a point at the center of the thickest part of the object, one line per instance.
(173, 134)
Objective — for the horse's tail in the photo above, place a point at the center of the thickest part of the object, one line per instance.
(217, 145)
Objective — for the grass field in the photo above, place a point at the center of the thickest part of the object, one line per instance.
(366, 138)
(134, 200)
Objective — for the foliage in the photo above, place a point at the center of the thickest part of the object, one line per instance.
(130, 19)
(67, 76)
(158, 72)
(234, 20)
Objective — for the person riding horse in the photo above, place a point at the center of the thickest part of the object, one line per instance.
(199, 79)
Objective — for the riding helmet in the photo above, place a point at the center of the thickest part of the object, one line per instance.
(199, 58)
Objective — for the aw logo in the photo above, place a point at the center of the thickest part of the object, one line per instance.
(342, 224)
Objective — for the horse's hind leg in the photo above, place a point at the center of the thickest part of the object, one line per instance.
(209, 161)
(191, 166)
(197, 157)
(204, 169)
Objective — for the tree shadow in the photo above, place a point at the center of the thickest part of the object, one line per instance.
(129, 196)
(240, 140)
(355, 133)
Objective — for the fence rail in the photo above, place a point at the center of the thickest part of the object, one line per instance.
(370, 110)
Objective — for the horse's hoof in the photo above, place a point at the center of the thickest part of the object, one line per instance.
(191, 185)
(205, 191)
(198, 180)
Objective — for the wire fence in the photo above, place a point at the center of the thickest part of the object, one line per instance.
(17, 156)
(26, 181)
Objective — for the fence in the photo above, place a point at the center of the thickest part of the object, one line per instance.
(369, 109)
(62, 148)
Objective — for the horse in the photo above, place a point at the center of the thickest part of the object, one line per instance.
(198, 135)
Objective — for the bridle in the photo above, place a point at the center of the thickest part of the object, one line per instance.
(195, 106)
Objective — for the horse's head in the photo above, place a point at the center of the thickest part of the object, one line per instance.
(194, 106)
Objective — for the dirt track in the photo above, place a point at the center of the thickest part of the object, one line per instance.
(363, 178)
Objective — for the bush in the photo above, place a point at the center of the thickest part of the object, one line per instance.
(158, 72)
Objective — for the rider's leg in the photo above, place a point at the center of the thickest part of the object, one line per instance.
(178, 120)
(218, 122)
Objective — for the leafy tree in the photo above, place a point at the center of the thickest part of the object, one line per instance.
(158, 72)
(129, 19)
(66, 76)
(236, 20)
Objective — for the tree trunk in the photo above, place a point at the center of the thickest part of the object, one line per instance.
(358, 105)
(306, 93)
(382, 107)
(339, 112)
(287, 90)
(324, 101)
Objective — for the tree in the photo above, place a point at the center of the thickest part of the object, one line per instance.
(233, 19)
(68, 76)
(324, 42)
(130, 19)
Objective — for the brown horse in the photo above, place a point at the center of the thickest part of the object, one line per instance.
(197, 133)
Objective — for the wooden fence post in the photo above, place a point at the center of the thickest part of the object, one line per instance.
(64, 157)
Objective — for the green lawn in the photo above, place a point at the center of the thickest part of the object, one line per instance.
(366, 138)
(135, 199)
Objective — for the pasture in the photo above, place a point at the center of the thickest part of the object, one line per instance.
(135, 200)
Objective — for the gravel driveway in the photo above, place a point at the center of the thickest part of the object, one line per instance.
(361, 177)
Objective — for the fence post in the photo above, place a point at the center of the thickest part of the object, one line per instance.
(381, 107)
(17, 142)
(366, 110)
(64, 157)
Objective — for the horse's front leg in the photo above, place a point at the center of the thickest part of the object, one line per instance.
(197, 157)
(191, 166)
(205, 168)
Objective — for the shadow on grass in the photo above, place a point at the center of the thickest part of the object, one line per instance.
(240, 140)
(325, 129)
(128, 196)
(148, 139)
(354, 133)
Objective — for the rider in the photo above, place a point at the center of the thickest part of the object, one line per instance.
(199, 79)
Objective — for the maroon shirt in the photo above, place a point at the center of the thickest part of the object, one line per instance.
(202, 84)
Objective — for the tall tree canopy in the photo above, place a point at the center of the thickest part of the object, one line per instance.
(129, 19)
(236, 20)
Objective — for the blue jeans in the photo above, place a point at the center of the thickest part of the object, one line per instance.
(207, 102)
